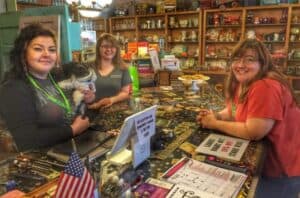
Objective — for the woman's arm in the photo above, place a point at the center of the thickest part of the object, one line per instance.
(252, 129)
(224, 114)
(106, 102)
(122, 95)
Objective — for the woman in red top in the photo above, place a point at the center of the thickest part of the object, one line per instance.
(261, 103)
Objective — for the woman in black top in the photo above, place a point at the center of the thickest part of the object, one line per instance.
(35, 110)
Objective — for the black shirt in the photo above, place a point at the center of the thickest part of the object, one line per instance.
(25, 119)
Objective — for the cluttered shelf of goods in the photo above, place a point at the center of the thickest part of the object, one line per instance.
(178, 156)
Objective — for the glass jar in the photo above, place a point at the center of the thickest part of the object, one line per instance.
(160, 6)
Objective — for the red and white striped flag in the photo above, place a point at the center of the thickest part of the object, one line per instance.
(75, 181)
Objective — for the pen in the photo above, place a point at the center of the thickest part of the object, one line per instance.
(176, 168)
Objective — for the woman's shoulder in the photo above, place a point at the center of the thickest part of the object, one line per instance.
(266, 82)
(13, 85)
(265, 85)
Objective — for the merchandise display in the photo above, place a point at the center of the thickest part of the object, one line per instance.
(177, 136)
(152, 144)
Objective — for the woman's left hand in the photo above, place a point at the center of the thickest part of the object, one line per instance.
(89, 96)
(208, 121)
(105, 102)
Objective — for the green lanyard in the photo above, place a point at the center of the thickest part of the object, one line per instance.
(65, 104)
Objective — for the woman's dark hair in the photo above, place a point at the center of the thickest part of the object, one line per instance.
(17, 54)
(117, 60)
(267, 69)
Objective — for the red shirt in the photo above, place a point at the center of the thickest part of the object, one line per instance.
(269, 99)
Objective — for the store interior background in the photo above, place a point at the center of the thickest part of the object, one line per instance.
(108, 12)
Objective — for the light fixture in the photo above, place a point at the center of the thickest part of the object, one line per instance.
(104, 3)
(72, 1)
(90, 3)
(89, 13)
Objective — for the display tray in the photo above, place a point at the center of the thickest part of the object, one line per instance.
(85, 143)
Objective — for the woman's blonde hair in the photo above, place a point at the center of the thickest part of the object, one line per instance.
(267, 69)
(117, 60)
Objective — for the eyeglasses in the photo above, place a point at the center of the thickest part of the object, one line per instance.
(108, 47)
(244, 60)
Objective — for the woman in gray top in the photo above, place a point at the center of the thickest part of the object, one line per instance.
(113, 82)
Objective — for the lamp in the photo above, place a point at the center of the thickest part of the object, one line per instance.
(91, 3)
(89, 13)
(85, 10)
(104, 3)
(72, 1)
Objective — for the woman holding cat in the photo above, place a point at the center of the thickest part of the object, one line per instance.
(34, 108)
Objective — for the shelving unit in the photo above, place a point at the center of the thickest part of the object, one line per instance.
(184, 37)
(151, 27)
(124, 28)
(293, 61)
(222, 30)
(278, 26)
(178, 29)
(271, 28)
(25, 5)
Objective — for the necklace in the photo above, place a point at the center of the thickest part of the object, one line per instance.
(64, 104)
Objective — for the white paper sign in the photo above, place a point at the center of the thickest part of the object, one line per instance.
(145, 124)
(140, 152)
(154, 59)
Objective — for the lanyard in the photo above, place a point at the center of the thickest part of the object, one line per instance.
(65, 104)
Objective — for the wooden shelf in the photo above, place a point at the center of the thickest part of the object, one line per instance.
(266, 25)
(294, 60)
(214, 72)
(28, 4)
(223, 42)
(183, 28)
(151, 29)
(122, 30)
(224, 26)
(123, 17)
(179, 42)
(215, 58)
(183, 13)
(274, 42)
(151, 15)
(294, 42)
(293, 77)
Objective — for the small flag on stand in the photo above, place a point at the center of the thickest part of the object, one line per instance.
(75, 181)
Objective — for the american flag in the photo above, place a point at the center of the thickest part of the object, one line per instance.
(75, 181)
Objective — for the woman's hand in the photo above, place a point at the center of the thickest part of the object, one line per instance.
(209, 120)
(79, 125)
(105, 102)
(201, 114)
(89, 96)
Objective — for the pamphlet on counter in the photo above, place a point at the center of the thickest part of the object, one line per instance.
(192, 177)
(225, 147)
